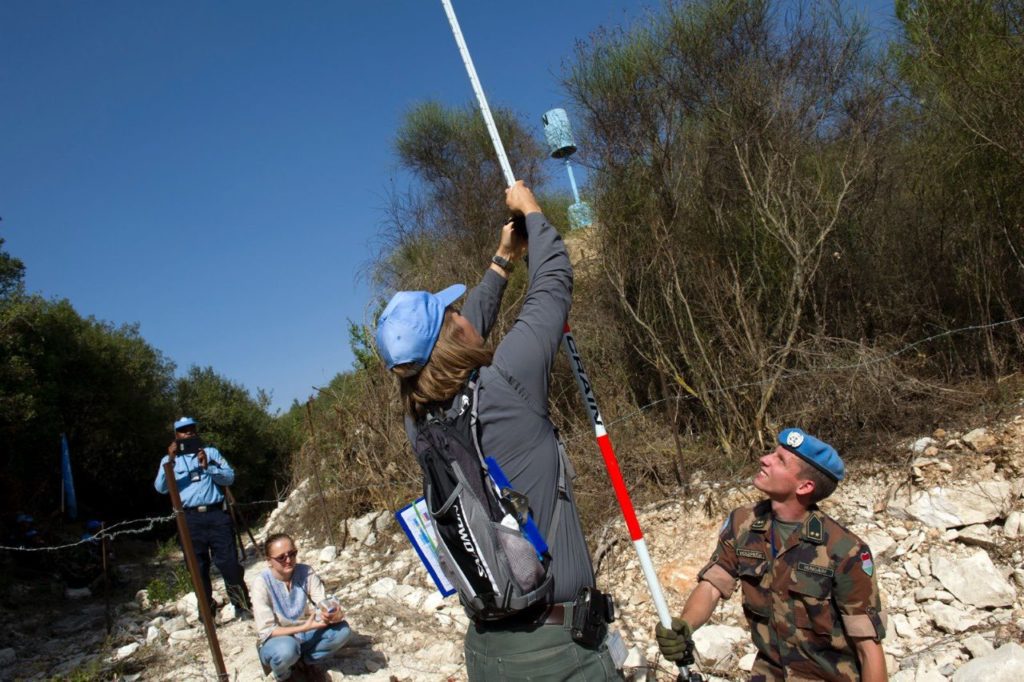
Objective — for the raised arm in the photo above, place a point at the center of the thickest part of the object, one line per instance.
(484, 300)
(528, 350)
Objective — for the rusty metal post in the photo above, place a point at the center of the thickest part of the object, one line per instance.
(193, 570)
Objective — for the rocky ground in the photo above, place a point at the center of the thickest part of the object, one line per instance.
(942, 515)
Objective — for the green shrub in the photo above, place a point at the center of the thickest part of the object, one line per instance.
(169, 587)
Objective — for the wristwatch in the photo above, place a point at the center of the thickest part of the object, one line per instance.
(503, 263)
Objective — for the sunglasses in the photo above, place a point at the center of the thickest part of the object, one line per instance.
(286, 557)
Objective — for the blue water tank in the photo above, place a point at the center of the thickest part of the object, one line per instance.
(558, 133)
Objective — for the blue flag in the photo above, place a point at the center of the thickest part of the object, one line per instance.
(71, 504)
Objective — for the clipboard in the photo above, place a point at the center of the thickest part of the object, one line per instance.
(414, 518)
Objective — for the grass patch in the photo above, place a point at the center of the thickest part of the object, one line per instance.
(168, 587)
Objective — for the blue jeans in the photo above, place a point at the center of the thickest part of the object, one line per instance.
(282, 653)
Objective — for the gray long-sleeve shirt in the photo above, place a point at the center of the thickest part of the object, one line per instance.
(516, 431)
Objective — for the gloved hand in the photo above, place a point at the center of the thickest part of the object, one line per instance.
(676, 645)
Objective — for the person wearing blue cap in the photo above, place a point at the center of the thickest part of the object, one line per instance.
(808, 585)
(201, 473)
(435, 349)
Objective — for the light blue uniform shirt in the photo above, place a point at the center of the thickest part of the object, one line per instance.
(205, 491)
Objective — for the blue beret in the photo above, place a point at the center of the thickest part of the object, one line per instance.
(817, 453)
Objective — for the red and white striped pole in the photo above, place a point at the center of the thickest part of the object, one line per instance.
(611, 463)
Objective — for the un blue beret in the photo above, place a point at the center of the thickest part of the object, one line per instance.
(817, 453)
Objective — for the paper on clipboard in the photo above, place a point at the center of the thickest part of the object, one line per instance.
(415, 521)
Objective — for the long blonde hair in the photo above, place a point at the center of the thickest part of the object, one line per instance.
(449, 366)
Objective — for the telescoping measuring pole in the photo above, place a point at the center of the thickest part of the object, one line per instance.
(575, 361)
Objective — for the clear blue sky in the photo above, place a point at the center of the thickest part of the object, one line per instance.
(216, 171)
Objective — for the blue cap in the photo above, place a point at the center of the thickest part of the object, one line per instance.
(817, 453)
(183, 422)
(409, 325)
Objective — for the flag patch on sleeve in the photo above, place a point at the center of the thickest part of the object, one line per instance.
(866, 563)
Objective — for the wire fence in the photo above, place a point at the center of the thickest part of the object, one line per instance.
(150, 522)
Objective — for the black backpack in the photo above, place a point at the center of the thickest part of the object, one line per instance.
(488, 546)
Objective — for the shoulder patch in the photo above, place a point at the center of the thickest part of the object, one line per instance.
(759, 525)
(865, 561)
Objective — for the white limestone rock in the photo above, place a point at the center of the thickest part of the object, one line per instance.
(922, 444)
(1012, 526)
(978, 535)
(184, 635)
(980, 440)
(950, 619)
(1005, 665)
(383, 587)
(902, 626)
(878, 540)
(962, 504)
(978, 646)
(433, 602)
(635, 658)
(187, 605)
(152, 634)
(716, 642)
(126, 651)
(227, 614)
(328, 554)
(362, 528)
(174, 625)
(973, 580)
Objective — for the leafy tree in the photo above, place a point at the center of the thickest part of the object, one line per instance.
(733, 146)
(240, 426)
(12, 274)
(102, 385)
(963, 67)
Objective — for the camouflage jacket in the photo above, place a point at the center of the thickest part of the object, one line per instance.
(805, 605)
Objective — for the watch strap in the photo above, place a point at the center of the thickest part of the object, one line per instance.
(503, 263)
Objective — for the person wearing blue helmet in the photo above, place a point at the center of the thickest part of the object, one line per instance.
(808, 585)
(435, 349)
(201, 472)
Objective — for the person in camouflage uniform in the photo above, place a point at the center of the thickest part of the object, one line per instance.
(808, 585)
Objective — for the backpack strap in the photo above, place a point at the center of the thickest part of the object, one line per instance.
(562, 492)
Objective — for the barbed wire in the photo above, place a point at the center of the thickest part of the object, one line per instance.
(105, 533)
(152, 521)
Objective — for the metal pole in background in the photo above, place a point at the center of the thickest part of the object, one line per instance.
(603, 441)
(193, 570)
(106, 577)
(240, 521)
